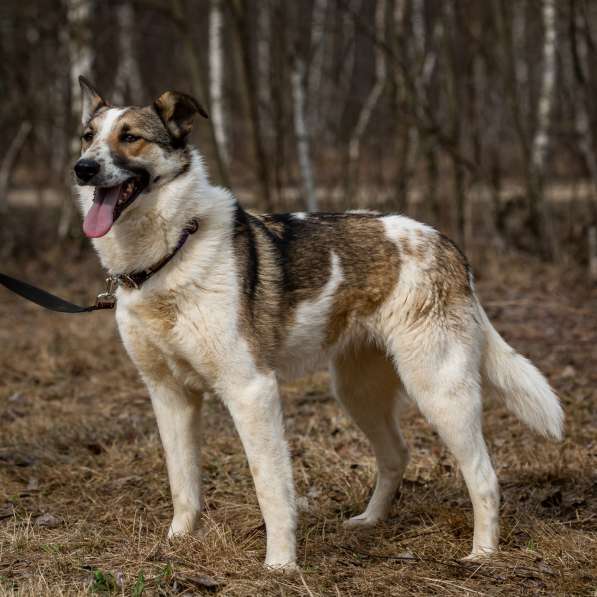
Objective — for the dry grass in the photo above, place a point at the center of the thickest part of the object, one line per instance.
(84, 501)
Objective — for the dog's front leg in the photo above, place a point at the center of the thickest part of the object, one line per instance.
(257, 413)
(178, 414)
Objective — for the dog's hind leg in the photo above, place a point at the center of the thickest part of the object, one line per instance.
(440, 371)
(366, 384)
(178, 413)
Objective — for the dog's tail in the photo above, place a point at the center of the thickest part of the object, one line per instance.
(516, 381)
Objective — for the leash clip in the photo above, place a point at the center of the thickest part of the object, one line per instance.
(107, 300)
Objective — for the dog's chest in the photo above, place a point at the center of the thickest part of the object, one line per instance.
(169, 338)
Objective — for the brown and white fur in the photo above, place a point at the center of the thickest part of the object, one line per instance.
(250, 299)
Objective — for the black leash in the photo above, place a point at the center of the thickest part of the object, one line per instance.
(105, 300)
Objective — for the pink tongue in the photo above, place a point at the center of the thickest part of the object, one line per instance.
(100, 217)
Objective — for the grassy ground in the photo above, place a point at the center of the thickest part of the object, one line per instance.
(84, 500)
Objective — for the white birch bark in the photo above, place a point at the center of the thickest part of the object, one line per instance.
(216, 77)
(81, 56)
(548, 81)
(354, 145)
(302, 133)
(128, 76)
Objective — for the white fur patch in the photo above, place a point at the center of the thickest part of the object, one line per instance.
(402, 230)
(307, 334)
(370, 212)
(110, 118)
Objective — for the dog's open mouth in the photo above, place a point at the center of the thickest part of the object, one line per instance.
(109, 203)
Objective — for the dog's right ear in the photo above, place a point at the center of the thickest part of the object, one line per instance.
(92, 100)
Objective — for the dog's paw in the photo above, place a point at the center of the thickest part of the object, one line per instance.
(360, 522)
(479, 555)
(181, 527)
(282, 568)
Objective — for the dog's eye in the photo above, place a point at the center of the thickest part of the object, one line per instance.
(128, 138)
(88, 136)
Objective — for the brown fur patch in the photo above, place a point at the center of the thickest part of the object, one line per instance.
(285, 261)
(159, 313)
(370, 264)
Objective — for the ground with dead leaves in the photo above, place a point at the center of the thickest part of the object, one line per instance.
(84, 501)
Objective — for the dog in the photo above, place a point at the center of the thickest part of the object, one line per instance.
(213, 298)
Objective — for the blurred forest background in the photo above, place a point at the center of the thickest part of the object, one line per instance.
(477, 117)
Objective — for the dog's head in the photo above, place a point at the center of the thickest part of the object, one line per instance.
(128, 152)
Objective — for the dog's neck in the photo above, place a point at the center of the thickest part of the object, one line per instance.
(144, 236)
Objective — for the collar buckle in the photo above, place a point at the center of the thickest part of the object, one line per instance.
(127, 280)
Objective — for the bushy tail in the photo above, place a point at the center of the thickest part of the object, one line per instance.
(519, 383)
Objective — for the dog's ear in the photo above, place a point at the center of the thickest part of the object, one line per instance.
(177, 111)
(92, 100)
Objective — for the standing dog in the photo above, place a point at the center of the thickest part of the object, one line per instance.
(213, 297)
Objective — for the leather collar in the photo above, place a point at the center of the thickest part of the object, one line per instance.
(137, 279)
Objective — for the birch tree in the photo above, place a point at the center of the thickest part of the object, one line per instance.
(81, 57)
(302, 133)
(539, 208)
(216, 77)
(180, 17)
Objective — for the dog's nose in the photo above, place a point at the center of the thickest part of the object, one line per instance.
(86, 169)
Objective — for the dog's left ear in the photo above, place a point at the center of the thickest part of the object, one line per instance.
(177, 111)
(92, 100)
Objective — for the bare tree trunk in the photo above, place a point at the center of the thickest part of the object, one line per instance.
(197, 83)
(582, 101)
(81, 60)
(406, 135)
(512, 90)
(9, 161)
(455, 109)
(592, 245)
(264, 65)
(128, 76)
(354, 144)
(316, 81)
(216, 78)
(540, 210)
(275, 70)
(242, 26)
(302, 134)
(334, 105)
